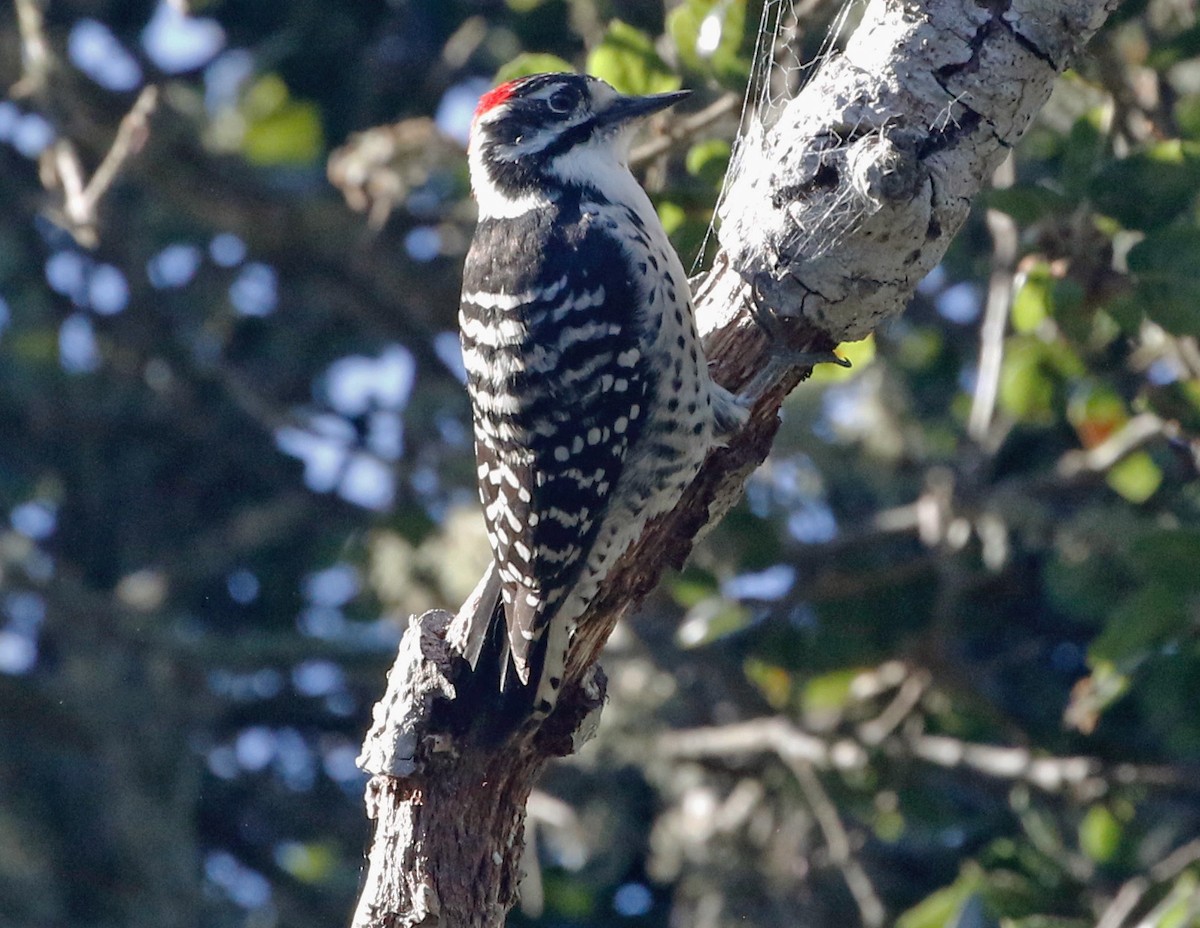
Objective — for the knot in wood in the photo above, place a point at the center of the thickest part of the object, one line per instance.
(884, 167)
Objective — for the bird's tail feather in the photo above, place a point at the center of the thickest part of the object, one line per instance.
(497, 695)
(469, 629)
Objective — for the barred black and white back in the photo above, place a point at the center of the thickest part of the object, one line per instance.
(592, 401)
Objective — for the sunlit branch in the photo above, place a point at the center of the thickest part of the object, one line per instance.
(870, 908)
(81, 198)
(907, 697)
(683, 130)
(1134, 890)
(61, 163)
(35, 52)
(129, 140)
(1087, 777)
(995, 314)
(776, 735)
(1133, 435)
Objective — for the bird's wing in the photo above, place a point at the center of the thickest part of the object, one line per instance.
(559, 388)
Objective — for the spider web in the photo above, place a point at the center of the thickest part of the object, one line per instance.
(777, 75)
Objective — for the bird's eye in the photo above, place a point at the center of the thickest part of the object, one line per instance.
(563, 101)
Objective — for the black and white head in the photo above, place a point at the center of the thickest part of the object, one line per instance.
(536, 135)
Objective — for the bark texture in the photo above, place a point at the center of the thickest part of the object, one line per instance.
(838, 210)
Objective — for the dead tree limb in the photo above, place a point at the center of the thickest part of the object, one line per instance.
(838, 210)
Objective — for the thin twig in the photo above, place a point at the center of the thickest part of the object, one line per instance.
(1133, 890)
(1188, 896)
(1051, 774)
(1085, 776)
(908, 696)
(995, 317)
(870, 908)
(1133, 435)
(878, 680)
(35, 51)
(1124, 902)
(684, 129)
(80, 197)
(777, 735)
(131, 136)
(69, 171)
(1176, 862)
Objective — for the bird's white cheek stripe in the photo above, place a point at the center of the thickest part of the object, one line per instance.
(492, 203)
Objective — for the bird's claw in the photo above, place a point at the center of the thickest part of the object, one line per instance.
(766, 319)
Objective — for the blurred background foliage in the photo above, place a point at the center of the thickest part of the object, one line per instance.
(940, 667)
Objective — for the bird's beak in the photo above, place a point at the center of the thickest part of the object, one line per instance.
(624, 109)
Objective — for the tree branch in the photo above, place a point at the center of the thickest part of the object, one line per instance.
(837, 839)
(995, 314)
(685, 129)
(1133, 890)
(880, 155)
(1088, 778)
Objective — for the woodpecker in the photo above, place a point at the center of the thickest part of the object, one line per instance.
(593, 406)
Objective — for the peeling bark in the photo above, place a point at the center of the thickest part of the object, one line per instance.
(838, 211)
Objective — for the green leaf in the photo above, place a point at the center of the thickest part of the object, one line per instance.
(291, 136)
(692, 586)
(710, 36)
(1127, 312)
(1085, 589)
(774, 682)
(1076, 320)
(1147, 619)
(280, 130)
(888, 826)
(708, 161)
(1187, 115)
(1027, 386)
(1084, 149)
(1136, 478)
(568, 898)
(626, 59)
(39, 346)
(1178, 401)
(686, 227)
(829, 692)
(1150, 188)
(1161, 251)
(264, 97)
(1170, 557)
(1044, 295)
(941, 908)
(1027, 204)
(919, 348)
(671, 215)
(1164, 267)
(528, 63)
(1089, 570)
(308, 863)
(1169, 51)
(710, 619)
(1100, 834)
(1032, 303)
